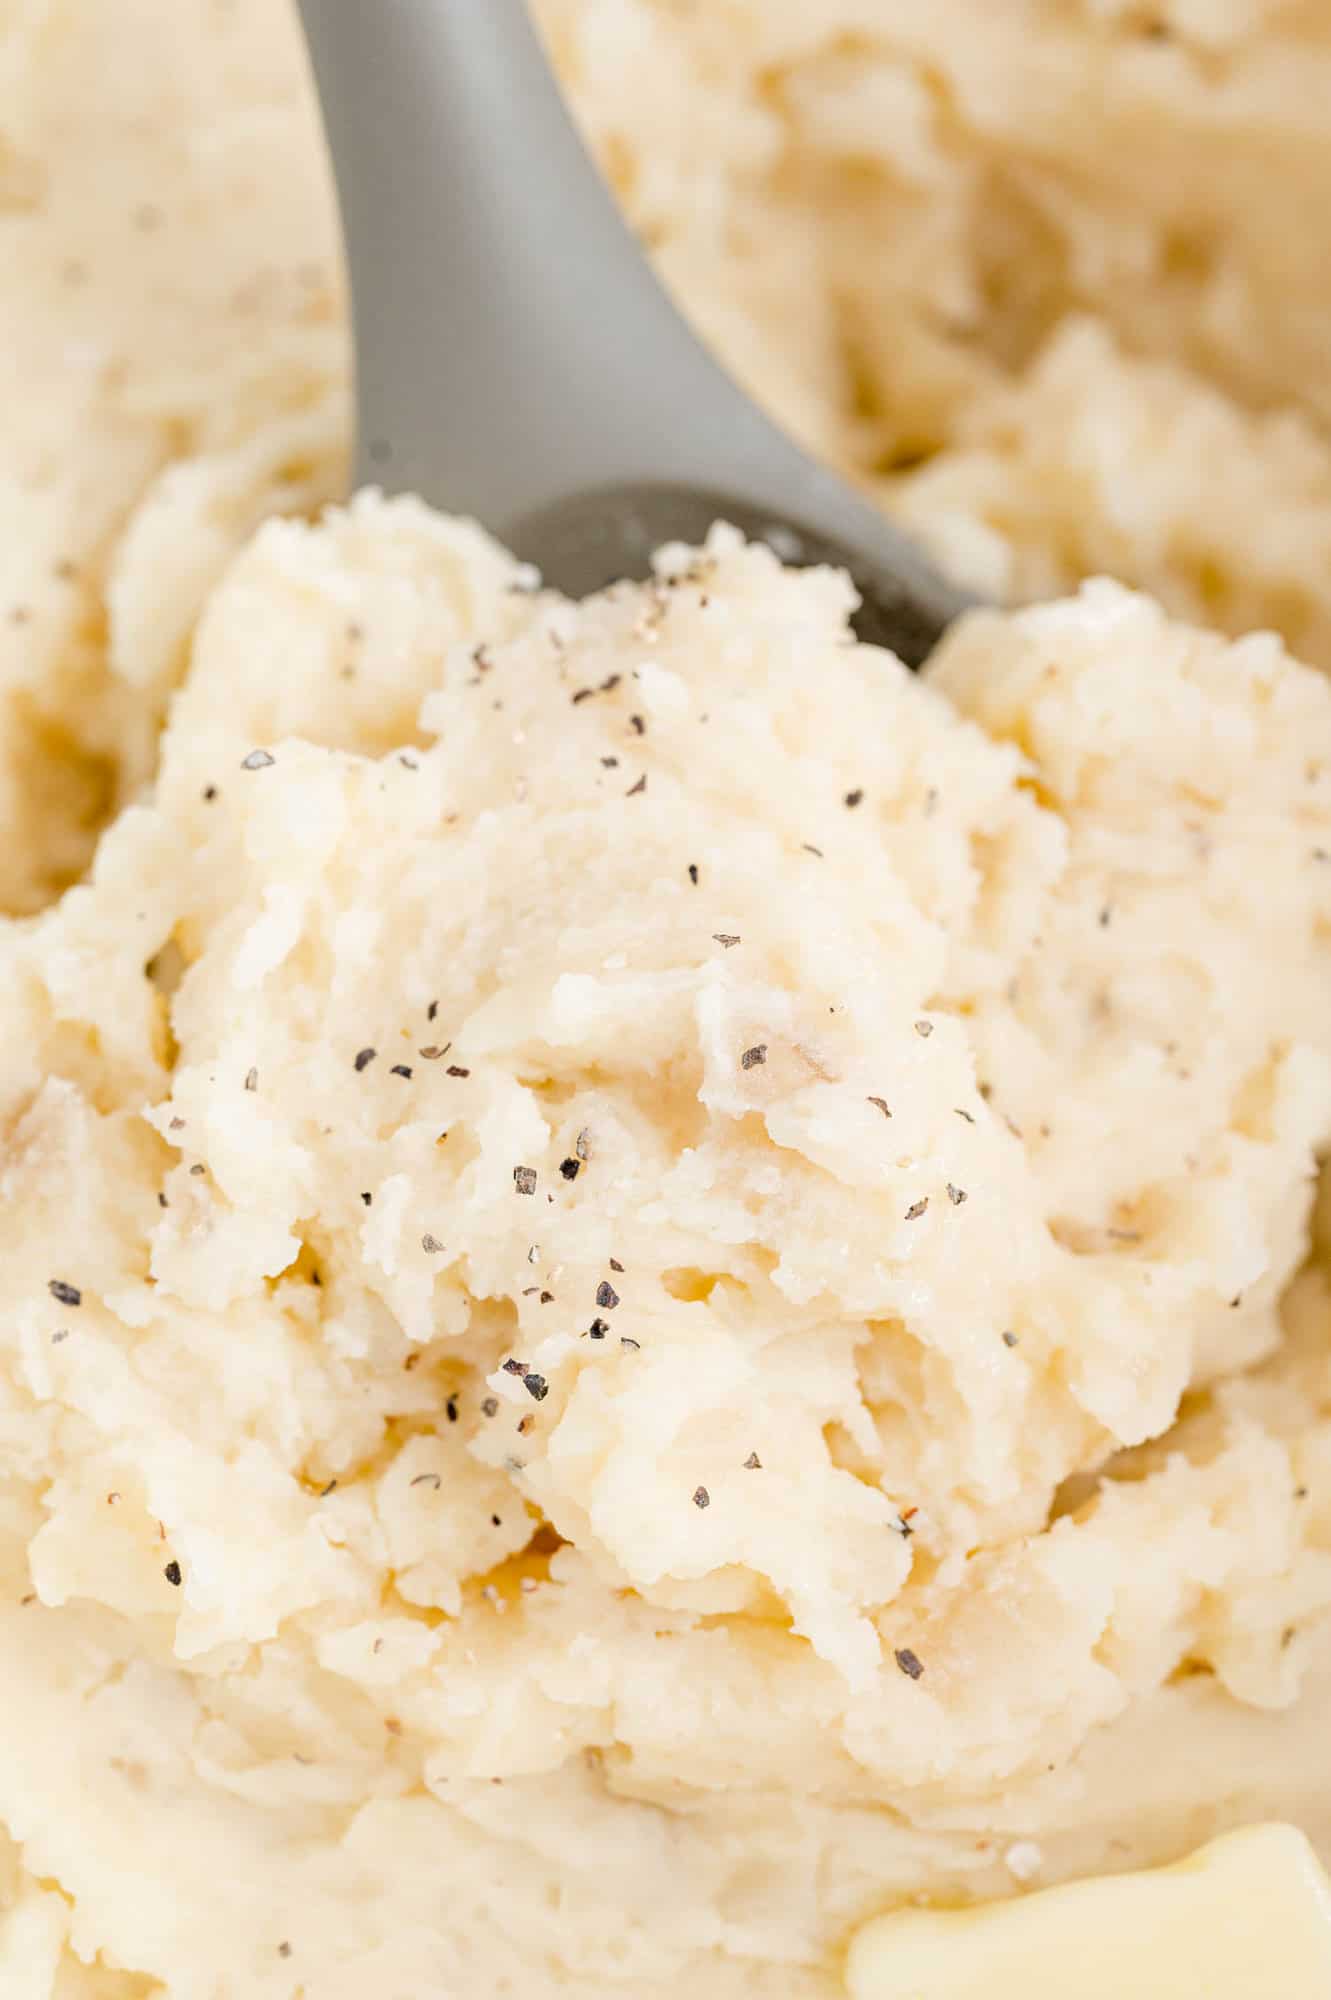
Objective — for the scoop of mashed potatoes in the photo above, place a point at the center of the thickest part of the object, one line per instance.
(609, 1212)
(1043, 275)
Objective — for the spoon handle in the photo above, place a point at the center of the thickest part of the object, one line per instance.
(513, 347)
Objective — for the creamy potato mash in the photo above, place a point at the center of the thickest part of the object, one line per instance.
(662, 1285)
(1048, 275)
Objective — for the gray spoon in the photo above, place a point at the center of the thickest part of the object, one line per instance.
(516, 358)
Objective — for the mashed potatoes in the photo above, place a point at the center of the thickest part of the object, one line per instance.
(1046, 274)
(576, 1284)
(657, 1277)
(175, 370)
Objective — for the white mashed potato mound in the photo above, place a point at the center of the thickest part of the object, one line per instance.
(602, 1207)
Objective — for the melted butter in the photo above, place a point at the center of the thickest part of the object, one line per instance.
(1246, 1918)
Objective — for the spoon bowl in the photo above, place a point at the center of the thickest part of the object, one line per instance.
(516, 357)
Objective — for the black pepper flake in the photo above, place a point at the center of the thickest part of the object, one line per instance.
(615, 1265)
(330, 1488)
(964, 1114)
(451, 1409)
(367, 1197)
(635, 790)
(809, 848)
(364, 1057)
(172, 1572)
(258, 760)
(62, 1334)
(917, 1208)
(198, 1169)
(753, 1463)
(1010, 1339)
(701, 1497)
(495, 1521)
(610, 763)
(955, 1195)
(251, 1079)
(606, 1296)
(599, 1328)
(162, 1201)
(693, 873)
(284, 1949)
(755, 1057)
(456, 1069)
(547, 1299)
(428, 1479)
(570, 1169)
(638, 725)
(65, 1294)
(627, 1340)
(909, 1663)
(536, 1386)
(581, 694)
(431, 1245)
(432, 1051)
(524, 1179)
(209, 794)
(490, 1406)
(882, 1105)
(725, 939)
(854, 798)
(432, 1010)
(401, 1069)
(924, 1029)
(512, 1367)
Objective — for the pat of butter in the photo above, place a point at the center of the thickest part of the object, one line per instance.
(1246, 1918)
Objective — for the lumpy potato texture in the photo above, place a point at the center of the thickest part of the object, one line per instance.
(1042, 275)
(645, 1268)
(1046, 276)
(175, 366)
(662, 1285)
